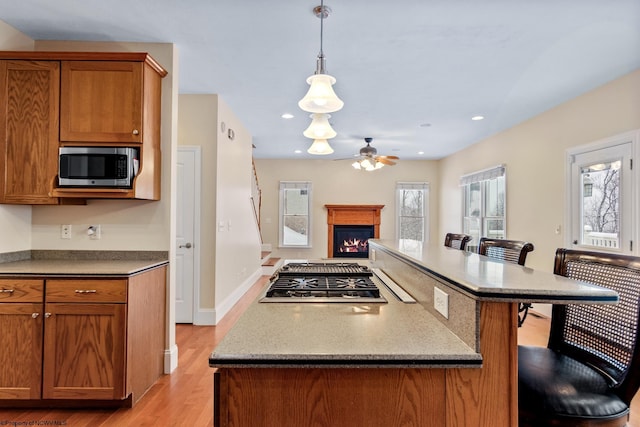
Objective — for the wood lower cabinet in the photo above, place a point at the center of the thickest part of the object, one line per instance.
(84, 339)
(103, 339)
(21, 318)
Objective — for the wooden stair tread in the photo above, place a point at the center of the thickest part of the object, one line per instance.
(270, 262)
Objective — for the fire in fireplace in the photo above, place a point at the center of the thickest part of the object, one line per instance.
(352, 241)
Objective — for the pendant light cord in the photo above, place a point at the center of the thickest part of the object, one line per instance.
(321, 25)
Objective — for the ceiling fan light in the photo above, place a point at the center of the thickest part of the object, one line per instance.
(320, 128)
(320, 97)
(356, 165)
(320, 147)
(379, 165)
(366, 164)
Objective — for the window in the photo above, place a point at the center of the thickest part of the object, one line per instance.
(483, 198)
(295, 217)
(600, 183)
(411, 206)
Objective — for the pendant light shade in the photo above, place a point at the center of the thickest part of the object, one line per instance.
(320, 97)
(320, 147)
(320, 128)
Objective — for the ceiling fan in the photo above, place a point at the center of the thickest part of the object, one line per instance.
(369, 159)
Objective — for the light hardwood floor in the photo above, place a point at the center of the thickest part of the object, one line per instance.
(185, 398)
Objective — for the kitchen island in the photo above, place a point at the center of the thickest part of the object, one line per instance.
(394, 363)
(81, 328)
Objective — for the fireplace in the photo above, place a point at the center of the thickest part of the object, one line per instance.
(350, 228)
(351, 241)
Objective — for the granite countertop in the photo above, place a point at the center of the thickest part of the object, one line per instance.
(305, 335)
(81, 263)
(490, 279)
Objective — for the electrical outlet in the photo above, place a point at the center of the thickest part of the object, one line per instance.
(441, 302)
(65, 231)
(94, 232)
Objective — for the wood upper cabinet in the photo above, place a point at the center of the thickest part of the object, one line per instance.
(54, 99)
(29, 111)
(102, 102)
(21, 317)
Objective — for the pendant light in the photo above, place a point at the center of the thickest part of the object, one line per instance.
(320, 128)
(320, 147)
(321, 98)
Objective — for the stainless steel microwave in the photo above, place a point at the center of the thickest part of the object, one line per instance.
(97, 166)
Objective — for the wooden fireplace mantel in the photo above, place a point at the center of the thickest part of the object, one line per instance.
(352, 215)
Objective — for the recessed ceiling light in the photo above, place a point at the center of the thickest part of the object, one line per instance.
(425, 125)
(287, 116)
(476, 118)
(421, 152)
(298, 151)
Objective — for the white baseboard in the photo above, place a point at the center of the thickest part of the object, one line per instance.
(171, 359)
(211, 316)
(205, 317)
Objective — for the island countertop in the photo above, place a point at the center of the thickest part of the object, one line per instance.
(490, 279)
(392, 334)
(396, 334)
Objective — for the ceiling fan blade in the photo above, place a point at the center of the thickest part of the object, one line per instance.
(391, 157)
(385, 161)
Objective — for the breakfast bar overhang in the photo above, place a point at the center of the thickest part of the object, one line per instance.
(393, 363)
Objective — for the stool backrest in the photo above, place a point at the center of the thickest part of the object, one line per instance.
(509, 250)
(456, 241)
(603, 336)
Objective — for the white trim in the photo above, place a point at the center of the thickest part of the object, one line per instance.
(632, 137)
(417, 185)
(307, 185)
(211, 316)
(170, 359)
(197, 238)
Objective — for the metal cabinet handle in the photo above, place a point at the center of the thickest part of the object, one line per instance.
(6, 291)
(86, 291)
(47, 315)
(186, 245)
(135, 132)
(34, 315)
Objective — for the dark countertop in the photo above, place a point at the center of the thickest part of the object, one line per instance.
(80, 263)
(486, 278)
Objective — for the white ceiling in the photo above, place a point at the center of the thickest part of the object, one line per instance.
(411, 73)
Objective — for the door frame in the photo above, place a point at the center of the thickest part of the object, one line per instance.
(632, 137)
(197, 152)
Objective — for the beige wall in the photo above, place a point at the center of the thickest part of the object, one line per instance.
(131, 224)
(336, 182)
(229, 240)
(534, 154)
(15, 221)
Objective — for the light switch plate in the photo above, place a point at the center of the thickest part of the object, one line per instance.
(441, 301)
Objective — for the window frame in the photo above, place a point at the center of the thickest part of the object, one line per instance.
(281, 214)
(630, 227)
(417, 185)
(483, 178)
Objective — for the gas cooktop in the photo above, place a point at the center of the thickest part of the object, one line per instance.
(323, 282)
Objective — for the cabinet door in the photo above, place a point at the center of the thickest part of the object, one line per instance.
(29, 99)
(101, 101)
(84, 351)
(21, 354)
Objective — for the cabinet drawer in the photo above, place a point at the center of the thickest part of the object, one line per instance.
(19, 290)
(112, 290)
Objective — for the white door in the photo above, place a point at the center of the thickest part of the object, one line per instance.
(188, 191)
(602, 199)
